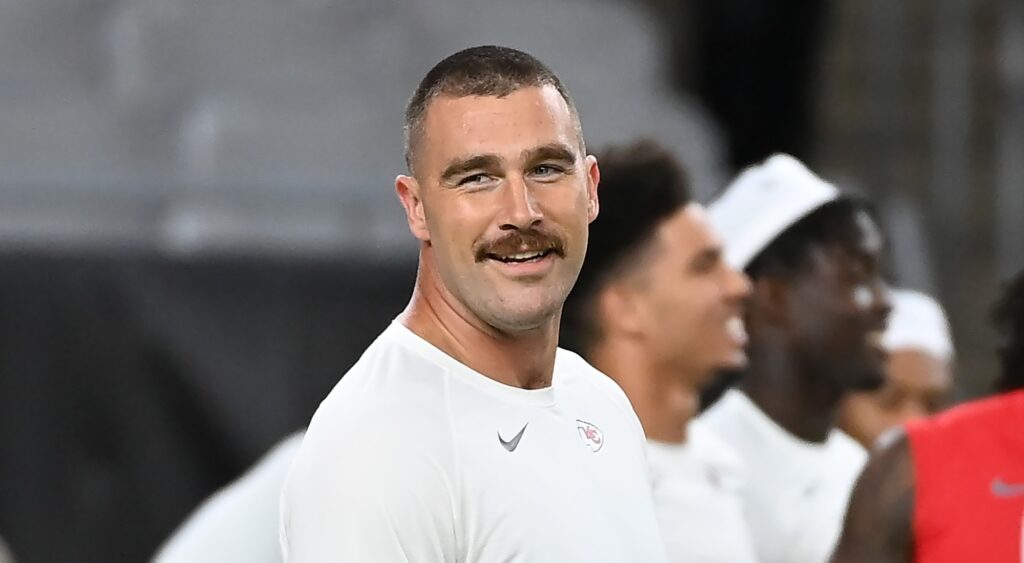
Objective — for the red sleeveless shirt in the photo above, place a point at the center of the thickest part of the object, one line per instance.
(969, 482)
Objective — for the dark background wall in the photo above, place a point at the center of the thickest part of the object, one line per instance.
(133, 386)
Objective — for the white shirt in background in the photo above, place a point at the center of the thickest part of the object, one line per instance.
(796, 491)
(698, 499)
(239, 523)
(5, 554)
(414, 457)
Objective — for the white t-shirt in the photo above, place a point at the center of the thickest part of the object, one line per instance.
(414, 457)
(239, 523)
(698, 499)
(796, 491)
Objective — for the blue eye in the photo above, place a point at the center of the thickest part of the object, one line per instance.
(474, 179)
(547, 170)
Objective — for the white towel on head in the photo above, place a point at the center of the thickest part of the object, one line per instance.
(763, 202)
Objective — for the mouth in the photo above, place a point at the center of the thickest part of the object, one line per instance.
(737, 331)
(521, 257)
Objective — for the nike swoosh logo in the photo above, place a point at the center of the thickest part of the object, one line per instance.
(1003, 489)
(512, 444)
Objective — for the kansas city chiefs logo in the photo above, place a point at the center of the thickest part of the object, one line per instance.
(590, 434)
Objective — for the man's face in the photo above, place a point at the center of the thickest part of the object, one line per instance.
(838, 311)
(917, 385)
(693, 299)
(502, 198)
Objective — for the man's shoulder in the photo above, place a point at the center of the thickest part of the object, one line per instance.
(725, 419)
(846, 455)
(391, 402)
(968, 417)
(712, 449)
(575, 373)
(389, 375)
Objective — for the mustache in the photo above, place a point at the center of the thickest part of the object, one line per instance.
(520, 241)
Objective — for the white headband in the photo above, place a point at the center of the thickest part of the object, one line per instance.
(917, 322)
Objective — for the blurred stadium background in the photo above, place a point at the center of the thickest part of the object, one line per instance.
(198, 232)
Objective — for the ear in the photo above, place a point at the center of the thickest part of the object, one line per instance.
(408, 190)
(593, 179)
(770, 298)
(622, 310)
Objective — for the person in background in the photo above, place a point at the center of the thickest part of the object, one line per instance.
(238, 524)
(950, 488)
(919, 370)
(463, 433)
(657, 309)
(815, 318)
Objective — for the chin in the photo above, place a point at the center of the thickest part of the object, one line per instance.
(512, 319)
(733, 361)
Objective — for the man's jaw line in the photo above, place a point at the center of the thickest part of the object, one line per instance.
(447, 311)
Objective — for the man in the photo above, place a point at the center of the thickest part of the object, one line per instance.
(658, 310)
(951, 488)
(815, 319)
(463, 433)
(918, 375)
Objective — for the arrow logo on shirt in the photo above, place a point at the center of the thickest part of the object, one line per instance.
(512, 444)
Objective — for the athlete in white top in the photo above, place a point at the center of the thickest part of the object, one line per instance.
(815, 318)
(796, 491)
(462, 434)
(658, 310)
(238, 524)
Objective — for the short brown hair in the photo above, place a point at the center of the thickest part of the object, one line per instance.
(642, 186)
(487, 70)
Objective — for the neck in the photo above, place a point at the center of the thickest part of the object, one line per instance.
(523, 359)
(797, 398)
(663, 401)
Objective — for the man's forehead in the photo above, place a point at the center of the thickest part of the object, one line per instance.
(525, 111)
(863, 242)
(691, 224)
(689, 230)
(871, 240)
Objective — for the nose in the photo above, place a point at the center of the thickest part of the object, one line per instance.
(738, 283)
(521, 209)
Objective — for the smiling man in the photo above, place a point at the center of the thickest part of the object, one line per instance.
(463, 434)
(950, 488)
(658, 309)
(919, 370)
(815, 320)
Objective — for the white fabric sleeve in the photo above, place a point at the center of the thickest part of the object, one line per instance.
(368, 497)
(239, 523)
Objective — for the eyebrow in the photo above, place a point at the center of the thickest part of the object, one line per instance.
(553, 151)
(460, 166)
(463, 165)
(707, 255)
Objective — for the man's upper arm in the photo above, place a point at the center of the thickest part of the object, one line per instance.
(879, 520)
(374, 499)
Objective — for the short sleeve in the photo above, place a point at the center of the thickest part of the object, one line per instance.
(367, 496)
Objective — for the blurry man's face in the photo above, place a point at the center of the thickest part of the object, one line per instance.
(839, 309)
(502, 197)
(693, 299)
(917, 385)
